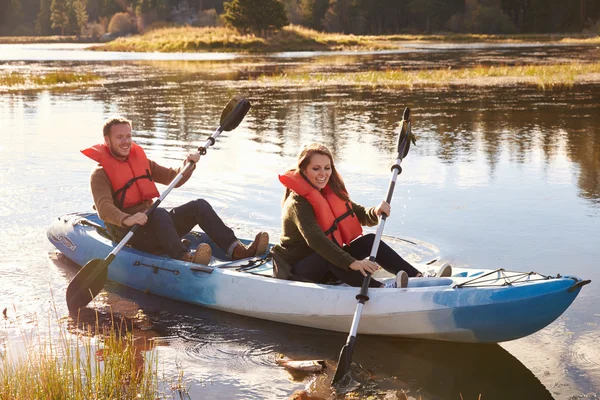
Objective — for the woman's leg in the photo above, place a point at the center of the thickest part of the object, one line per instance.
(314, 268)
(386, 256)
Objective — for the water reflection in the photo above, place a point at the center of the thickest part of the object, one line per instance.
(520, 124)
(235, 353)
(500, 177)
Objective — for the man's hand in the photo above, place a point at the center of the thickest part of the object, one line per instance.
(138, 218)
(195, 157)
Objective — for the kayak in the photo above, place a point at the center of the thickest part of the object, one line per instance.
(472, 305)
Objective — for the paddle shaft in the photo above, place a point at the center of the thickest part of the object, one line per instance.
(346, 353)
(362, 296)
(202, 150)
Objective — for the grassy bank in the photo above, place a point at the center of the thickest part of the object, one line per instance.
(295, 38)
(43, 39)
(114, 366)
(189, 39)
(542, 76)
(19, 80)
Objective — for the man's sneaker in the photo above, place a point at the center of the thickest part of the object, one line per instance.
(445, 270)
(401, 281)
(203, 254)
(256, 248)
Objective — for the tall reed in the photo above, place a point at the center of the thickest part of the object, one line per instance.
(100, 362)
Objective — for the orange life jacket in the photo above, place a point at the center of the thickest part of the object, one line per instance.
(334, 215)
(130, 179)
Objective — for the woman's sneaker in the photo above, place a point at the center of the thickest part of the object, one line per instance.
(445, 270)
(401, 281)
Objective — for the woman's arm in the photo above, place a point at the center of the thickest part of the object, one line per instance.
(304, 218)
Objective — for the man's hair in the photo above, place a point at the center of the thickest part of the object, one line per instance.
(112, 122)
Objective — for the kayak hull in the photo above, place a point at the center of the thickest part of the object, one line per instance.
(429, 308)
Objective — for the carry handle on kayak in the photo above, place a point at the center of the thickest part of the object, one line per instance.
(90, 279)
(345, 359)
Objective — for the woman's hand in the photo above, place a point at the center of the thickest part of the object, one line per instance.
(137, 218)
(364, 266)
(383, 208)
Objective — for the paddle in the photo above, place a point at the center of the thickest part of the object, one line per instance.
(91, 278)
(404, 139)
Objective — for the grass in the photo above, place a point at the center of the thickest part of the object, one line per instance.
(29, 80)
(114, 366)
(542, 76)
(42, 39)
(190, 39)
(297, 38)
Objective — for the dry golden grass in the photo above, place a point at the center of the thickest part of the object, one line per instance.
(190, 39)
(295, 38)
(45, 80)
(542, 76)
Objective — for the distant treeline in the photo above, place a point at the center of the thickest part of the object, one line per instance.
(94, 17)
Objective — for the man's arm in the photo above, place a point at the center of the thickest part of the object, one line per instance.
(166, 175)
(103, 199)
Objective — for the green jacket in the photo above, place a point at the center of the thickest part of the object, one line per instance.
(301, 236)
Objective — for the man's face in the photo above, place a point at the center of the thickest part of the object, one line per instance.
(119, 141)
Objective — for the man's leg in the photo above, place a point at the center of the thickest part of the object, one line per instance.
(199, 212)
(159, 234)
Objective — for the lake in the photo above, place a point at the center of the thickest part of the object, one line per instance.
(500, 177)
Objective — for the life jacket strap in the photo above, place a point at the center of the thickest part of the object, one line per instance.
(121, 199)
(334, 226)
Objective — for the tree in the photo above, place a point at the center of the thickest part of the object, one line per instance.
(42, 21)
(81, 15)
(255, 15)
(16, 12)
(59, 15)
(313, 12)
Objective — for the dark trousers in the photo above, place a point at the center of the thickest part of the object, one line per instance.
(315, 268)
(164, 229)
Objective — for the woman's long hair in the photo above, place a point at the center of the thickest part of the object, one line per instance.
(336, 182)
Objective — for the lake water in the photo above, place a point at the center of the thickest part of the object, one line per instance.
(500, 177)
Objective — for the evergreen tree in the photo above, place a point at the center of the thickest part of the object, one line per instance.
(59, 15)
(81, 15)
(109, 8)
(16, 14)
(255, 15)
(42, 21)
(313, 12)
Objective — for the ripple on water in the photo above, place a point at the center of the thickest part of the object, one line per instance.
(584, 353)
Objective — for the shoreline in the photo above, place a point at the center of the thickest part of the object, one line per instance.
(289, 39)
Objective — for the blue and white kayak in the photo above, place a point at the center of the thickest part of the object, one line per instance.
(473, 305)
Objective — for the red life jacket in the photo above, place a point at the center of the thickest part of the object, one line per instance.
(334, 215)
(130, 179)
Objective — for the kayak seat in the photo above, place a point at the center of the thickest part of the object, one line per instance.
(428, 282)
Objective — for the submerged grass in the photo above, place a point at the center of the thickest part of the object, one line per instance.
(542, 76)
(76, 367)
(29, 80)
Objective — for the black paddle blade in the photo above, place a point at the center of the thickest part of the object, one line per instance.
(88, 282)
(234, 112)
(344, 362)
(405, 134)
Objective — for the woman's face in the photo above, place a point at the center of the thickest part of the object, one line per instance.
(318, 170)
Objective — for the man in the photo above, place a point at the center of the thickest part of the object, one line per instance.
(123, 187)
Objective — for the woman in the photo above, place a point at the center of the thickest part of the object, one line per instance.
(322, 228)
